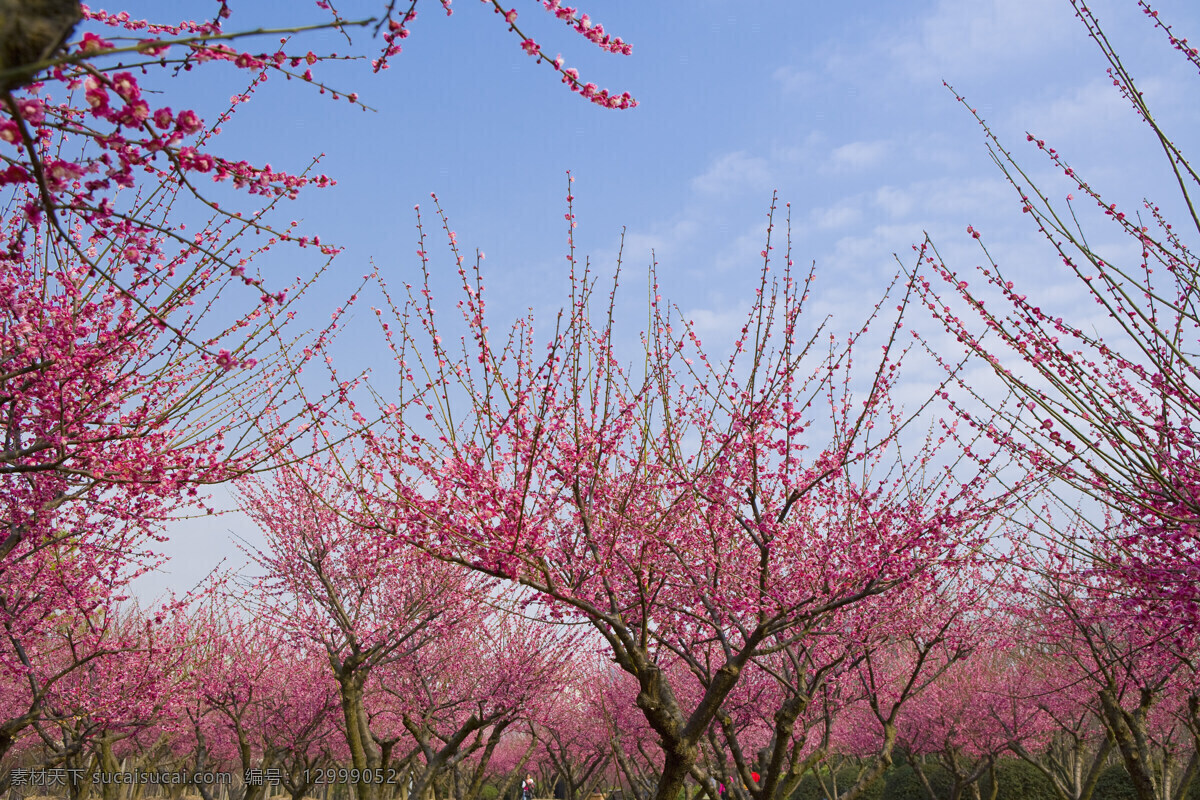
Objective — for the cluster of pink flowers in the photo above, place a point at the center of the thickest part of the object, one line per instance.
(126, 135)
(583, 25)
(1112, 417)
(592, 32)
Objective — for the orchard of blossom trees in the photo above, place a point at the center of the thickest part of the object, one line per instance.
(628, 564)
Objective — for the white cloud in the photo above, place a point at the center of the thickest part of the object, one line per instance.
(963, 38)
(742, 251)
(1096, 106)
(717, 327)
(799, 152)
(876, 245)
(792, 79)
(663, 240)
(957, 198)
(837, 216)
(893, 201)
(859, 155)
(733, 172)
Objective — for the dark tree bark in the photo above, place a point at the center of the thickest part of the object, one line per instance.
(31, 31)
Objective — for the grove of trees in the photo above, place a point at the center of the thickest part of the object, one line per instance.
(616, 561)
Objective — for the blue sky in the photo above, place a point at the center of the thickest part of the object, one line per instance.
(838, 106)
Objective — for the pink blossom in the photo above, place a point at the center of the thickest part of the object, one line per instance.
(32, 110)
(91, 44)
(225, 360)
(125, 85)
(188, 121)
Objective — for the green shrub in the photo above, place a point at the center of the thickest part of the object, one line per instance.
(489, 791)
(810, 786)
(1114, 784)
(904, 784)
(1018, 780)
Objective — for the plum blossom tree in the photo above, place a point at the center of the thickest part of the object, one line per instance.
(300, 717)
(776, 722)
(104, 112)
(698, 513)
(955, 721)
(510, 759)
(633, 742)
(102, 180)
(112, 423)
(364, 600)
(575, 736)
(1032, 697)
(1129, 663)
(1112, 415)
(230, 658)
(459, 695)
(241, 699)
(82, 708)
(122, 392)
(905, 646)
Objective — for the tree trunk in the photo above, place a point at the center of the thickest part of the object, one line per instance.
(520, 769)
(1126, 732)
(475, 784)
(31, 31)
(677, 764)
(883, 760)
(358, 740)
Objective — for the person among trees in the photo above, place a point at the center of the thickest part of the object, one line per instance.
(527, 788)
